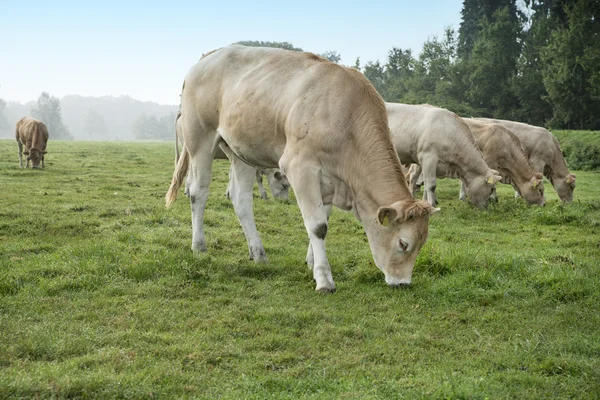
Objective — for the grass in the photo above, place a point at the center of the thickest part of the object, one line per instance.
(100, 296)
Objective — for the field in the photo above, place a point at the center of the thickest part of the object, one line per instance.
(101, 296)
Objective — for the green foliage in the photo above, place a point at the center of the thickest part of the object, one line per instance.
(581, 149)
(100, 296)
(47, 110)
(493, 63)
(332, 56)
(260, 43)
(572, 67)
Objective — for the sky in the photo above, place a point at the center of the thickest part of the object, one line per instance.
(143, 49)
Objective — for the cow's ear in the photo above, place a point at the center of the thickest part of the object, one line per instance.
(26, 153)
(44, 152)
(385, 214)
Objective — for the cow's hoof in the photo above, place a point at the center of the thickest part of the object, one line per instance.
(326, 290)
(258, 255)
(200, 247)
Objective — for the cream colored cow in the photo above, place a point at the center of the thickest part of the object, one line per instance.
(502, 151)
(545, 155)
(278, 182)
(324, 126)
(443, 146)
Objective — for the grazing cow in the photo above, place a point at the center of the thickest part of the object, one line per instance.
(277, 180)
(443, 146)
(545, 155)
(32, 134)
(324, 126)
(502, 151)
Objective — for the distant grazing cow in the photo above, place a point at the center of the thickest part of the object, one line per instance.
(278, 182)
(443, 145)
(32, 134)
(322, 124)
(502, 151)
(545, 155)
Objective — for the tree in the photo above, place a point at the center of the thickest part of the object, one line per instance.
(259, 43)
(4, 125)
(332, 56)
(474, 12)
(94, 124)
(571, 67)
(47, 110)
(493, 65)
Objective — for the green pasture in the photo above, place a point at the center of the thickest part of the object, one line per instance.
(101, 296)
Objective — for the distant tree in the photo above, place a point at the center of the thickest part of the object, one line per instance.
(374, 72)
(332, 56)
(94, 124)
(152, 128)
(260, 43)
(474, 12)
(47, 110)
(571, 67)
(398, 72)
(357, 64)
(4, 125)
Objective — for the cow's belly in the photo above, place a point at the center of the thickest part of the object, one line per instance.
(254, 148)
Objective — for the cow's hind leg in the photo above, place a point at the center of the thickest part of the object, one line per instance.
(429, 166)
(306, 183)
(201, 171)
(261, 188)
(242, 178)
(20, 153)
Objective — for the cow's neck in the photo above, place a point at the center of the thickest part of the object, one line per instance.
(376, 182)
(470, 165)
(559, 168)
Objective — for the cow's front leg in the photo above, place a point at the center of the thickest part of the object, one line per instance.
(310, 256)
(305, 182)
(242, 182)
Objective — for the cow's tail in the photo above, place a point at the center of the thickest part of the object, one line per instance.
(177, 138)
(179, 174)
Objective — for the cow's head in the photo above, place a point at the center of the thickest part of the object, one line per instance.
(482, 187)
(36, 156)
(396, 236)
(565, 187)
(278, 183)
(533, 190)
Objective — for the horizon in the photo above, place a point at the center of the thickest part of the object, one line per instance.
(143, 50)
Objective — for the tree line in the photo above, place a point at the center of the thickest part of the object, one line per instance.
(538, 64)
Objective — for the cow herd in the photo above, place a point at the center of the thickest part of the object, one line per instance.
(323, 129)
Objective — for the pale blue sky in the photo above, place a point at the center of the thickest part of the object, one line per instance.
(144, 48)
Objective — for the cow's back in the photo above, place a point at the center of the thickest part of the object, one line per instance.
(424, 128)
(261, 98)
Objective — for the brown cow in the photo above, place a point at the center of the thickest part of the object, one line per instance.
(34, 135)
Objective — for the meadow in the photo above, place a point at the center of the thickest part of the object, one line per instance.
(101, 296)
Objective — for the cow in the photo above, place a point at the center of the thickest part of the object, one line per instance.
(443, 146)
(32, 134)
(277, 180)
(502, 151)
(545, 155)
(325, 126)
